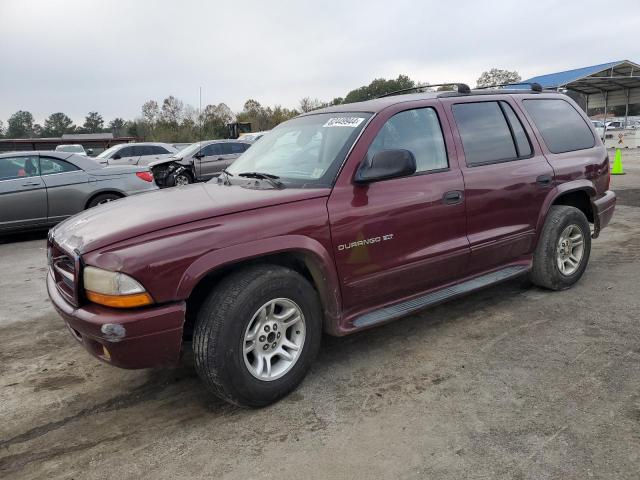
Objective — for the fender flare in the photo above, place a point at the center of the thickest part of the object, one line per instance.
(316, 257)
(562, 189)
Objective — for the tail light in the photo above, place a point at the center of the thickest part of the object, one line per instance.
(146, 176)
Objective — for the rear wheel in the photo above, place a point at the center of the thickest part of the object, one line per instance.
(102, 198)
(257, 334)
(563, 249)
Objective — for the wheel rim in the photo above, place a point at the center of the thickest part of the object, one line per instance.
(106, 200)
(570, 250)
(274, 339)
(181, 180)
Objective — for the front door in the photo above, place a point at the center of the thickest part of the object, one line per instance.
(208, 163)
(507, 179)
(396, 238)
(23, 196)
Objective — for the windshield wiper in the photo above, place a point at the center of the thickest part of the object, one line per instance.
(226, 174)
(272, 179)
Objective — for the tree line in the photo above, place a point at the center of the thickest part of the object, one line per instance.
(174, 121)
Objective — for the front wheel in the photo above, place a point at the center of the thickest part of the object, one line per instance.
(257, 334)
(179, 179)
(563, 249)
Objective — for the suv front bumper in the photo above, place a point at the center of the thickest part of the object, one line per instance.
(133, 338)
(603, 211)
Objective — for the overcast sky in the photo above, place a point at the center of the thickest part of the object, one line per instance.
(111, 56)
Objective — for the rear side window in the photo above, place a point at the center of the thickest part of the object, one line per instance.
(417, 130)
(49, 166)
(485, 134)
(561, 126)
(522, 140)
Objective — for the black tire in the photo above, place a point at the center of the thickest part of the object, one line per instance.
(103, 198)
(224, 317)
(546, 272)
(176, 178)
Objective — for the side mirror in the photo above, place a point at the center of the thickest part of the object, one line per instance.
(89, 151)
(387, 164)
(198, 155)
(117, 156)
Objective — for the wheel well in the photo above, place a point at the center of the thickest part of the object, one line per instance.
(578, 199)
(108, 192)
(293, 260)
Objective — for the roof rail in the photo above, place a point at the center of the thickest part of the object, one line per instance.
(462, 88)
(535, 86)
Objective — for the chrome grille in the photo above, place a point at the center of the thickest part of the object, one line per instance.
(64, 268)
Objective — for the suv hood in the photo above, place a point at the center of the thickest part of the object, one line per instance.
(140, 214)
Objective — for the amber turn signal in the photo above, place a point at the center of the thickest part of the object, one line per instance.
(120, 301)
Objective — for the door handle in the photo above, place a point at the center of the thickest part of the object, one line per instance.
(30, 184)
(452, 198)
(544, 180)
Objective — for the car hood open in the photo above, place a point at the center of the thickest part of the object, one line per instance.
(140, 214)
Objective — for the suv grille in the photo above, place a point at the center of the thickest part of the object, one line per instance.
(65, 270)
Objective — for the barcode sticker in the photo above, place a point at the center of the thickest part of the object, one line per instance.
(352, 122)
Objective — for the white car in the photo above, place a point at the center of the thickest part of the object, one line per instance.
(599, 128)
(74, 148)
(141, 153)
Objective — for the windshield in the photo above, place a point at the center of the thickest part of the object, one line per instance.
(306, 151)
(189, 150)
(107, 153)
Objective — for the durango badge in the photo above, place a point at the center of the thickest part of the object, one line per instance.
(366, 241)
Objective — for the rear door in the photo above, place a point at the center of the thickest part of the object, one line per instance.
(23, 196)
(506, 176)
(395, 238)
(67, 188)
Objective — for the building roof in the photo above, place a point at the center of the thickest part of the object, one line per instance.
(610, 76)
(87, 136)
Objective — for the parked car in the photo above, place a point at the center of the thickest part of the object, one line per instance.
(339, 220)
(180, 146)
(199, 162)
(40, 189)
(252, 137)
(614, 125)
(135, 153)
(599, 127)
(75, 148)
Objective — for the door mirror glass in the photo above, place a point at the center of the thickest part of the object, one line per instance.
(387, 164)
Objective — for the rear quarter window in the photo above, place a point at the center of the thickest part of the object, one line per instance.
(562, 128)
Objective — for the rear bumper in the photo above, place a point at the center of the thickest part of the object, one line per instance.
(603, 208)
(136, 338)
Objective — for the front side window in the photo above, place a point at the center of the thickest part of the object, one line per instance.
(417, 130)
(561, 126)
(158, 150)
(211, 150)
(125, 152)
(49, 166)
(306, 151)
(19, 167)
(485, 134)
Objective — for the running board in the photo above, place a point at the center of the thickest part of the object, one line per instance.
(415, 304)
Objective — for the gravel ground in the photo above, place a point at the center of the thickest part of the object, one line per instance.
(510, 382)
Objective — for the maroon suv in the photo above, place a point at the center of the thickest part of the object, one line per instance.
(338, 220)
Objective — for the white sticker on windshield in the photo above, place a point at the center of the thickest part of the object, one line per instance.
(352, 122)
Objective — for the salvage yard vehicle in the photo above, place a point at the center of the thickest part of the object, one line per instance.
(198, 162)
(74, 148)
(40, 189)
(141, 153)
(339, 220)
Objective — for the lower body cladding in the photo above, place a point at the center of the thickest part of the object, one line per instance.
(603, 208)
(143, 338)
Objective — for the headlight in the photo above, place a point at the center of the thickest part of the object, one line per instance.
(114, 289)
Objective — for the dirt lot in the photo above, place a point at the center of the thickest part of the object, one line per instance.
(511, 382)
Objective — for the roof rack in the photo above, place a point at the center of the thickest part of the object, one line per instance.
(462, 88)
(535, 86)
